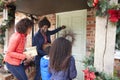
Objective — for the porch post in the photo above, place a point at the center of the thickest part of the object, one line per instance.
(104, 44)
(5, 17)
(10, 29)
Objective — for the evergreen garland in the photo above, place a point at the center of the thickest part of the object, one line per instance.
(1, 59)
(117, 45)
(11, 15)
(89, 63)
(102, 7)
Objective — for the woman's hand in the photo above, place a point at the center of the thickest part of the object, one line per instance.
(46, 45)
(28, 57)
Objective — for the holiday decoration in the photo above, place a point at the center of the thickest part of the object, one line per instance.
(69, 35)
(117, 45)
(95, 2)
(1, 59)
(10, 6)
(89, 75)
(114, 15)
(104, 8)
(112, 11)
(90, 72)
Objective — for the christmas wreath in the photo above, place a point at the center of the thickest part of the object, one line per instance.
(69, 35)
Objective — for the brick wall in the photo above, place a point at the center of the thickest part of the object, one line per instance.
(117, 67)
(52, 18)
(90, 30)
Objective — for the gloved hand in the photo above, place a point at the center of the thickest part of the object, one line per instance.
(63, 26)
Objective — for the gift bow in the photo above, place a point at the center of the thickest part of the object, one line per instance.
(114, 15)
(89, 75)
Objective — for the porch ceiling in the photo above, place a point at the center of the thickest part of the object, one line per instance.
(43, 7)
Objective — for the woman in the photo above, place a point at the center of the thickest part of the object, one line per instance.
(62, 64)
(15, 53)
(42, 39)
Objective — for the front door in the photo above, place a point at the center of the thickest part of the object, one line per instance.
(76, 21)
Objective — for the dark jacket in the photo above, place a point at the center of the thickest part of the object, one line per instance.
(68, 74)
(38, 40)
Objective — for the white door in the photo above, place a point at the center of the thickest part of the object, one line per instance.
(76, 20)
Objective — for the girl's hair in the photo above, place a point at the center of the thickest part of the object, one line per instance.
(43, 22)
(60, 54)
(23, 25)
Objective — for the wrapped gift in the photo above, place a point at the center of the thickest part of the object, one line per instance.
(31, 51)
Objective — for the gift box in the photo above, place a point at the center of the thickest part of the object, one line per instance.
(31, 51)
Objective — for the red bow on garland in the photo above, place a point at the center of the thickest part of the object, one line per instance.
(89, 75)
(95, 2)
(114, 15)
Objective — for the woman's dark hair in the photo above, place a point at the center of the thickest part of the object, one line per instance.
(43, 22)
(60, 54)
(23, 25)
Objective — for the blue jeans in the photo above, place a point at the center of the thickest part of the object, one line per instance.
(17, 71)
(37, 66)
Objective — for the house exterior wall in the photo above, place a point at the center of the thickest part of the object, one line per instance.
(52, 18)
(105, 44)
(90, 37)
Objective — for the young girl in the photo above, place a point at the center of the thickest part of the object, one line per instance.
(44, 65)
(15, 55)
(62, 64)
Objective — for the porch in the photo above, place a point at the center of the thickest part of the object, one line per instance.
(86, 37)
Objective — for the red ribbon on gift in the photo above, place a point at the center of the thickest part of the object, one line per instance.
(114, 15)
(89, 75)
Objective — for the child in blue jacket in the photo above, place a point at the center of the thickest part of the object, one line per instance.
(44, 65)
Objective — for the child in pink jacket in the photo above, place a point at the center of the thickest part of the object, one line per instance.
(15, 52)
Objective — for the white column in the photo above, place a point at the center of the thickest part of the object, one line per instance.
(104, 45)
(5, 17)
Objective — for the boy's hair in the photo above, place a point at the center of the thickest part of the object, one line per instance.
(43, 22)
(23, 25)
(60, 54)
(47, 50)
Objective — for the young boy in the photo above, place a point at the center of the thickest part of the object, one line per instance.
(44, 65)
